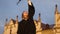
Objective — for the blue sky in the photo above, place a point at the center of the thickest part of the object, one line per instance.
(9, 9)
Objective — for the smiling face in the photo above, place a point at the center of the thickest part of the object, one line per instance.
(25, 15)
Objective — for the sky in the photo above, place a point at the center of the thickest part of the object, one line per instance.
(9, 9)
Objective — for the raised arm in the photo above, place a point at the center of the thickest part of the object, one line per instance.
(31, 9)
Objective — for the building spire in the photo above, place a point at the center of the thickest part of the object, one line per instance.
(6, 21)
(56, 9)
(56, 5)
(17, 19)
(39, 17)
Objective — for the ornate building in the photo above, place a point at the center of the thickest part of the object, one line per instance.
(57, 21)
(11, 27)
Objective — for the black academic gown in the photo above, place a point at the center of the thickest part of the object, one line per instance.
(27, 27)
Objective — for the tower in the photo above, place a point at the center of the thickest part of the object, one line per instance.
(39, 21)
(5, 27)
(57, 21)
(16, 25)
(38, 25)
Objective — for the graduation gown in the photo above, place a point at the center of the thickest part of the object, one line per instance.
(27, 26)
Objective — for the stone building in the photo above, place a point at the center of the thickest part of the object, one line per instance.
(11, 27)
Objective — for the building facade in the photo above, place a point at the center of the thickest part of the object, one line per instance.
(11, 27)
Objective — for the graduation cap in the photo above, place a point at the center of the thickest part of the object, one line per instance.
(18, 2)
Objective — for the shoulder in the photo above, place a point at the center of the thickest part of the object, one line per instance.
(21, 22)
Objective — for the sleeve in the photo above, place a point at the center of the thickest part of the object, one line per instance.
(31, 9)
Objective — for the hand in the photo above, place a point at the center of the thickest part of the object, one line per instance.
(28, 0)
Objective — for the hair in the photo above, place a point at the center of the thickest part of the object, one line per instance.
(23, 15)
